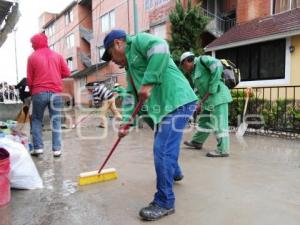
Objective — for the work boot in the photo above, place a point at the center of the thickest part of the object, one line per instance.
(193, 144)
(178, 177)
(216, 153)
(154, 212)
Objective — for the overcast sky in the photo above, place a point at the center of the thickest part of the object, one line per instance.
(26, 27)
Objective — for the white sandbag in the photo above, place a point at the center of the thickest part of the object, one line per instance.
(23, 173)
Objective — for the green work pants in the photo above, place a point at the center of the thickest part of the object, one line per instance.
(214, 121)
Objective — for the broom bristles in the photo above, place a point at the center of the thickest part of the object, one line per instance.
(95, 177)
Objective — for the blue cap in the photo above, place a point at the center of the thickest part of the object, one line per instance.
(109, 38)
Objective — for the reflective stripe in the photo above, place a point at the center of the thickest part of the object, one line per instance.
(222, 135)
(213, 66)
(161, 48)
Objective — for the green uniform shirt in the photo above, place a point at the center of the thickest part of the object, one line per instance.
(121, 91)
(207, 79)
(149, 62)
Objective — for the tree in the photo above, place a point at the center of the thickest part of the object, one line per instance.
(187, 25)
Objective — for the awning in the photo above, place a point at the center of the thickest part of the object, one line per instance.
(9, 16)
(89, 70)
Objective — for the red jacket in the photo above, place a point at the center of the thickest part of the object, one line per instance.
(45, 68)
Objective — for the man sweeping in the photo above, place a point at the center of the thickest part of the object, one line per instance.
(169, 101)
(214, 97)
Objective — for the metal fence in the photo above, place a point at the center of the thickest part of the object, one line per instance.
(270, 109)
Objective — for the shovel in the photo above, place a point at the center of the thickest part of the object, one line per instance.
(243, 126)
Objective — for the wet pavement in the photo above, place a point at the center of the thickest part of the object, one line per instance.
(259, 184)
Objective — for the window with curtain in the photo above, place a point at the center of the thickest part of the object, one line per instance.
(108, 21)
(70, 63)
(284, 5)
(50, 30)
(70, 41)
(262, 61)
(295, 4)
(150, 4)
(69, 17)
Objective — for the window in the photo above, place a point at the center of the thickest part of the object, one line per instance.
(101, 52)
(50, 30)
(209, 6)
(70, 41)
(149, 4)
(160, 31)
(108, 21)
(70, 63)
(284, 5)
(295, 4)
(262, 61)
(69, 17)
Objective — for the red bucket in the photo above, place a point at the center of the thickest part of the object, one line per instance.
(4, 180)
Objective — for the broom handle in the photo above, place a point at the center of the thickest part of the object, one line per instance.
(246, 104)
(126, 126)
(84, 118)
(110, 153)
(247, 99)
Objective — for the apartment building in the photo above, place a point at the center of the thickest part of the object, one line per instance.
(264, 43)
(131, 16)
(108, 15)
(70, 34)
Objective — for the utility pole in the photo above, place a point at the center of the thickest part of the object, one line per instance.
(136, 21)
(16, 56)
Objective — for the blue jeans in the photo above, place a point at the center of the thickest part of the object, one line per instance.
(167, 140)
(39, 103)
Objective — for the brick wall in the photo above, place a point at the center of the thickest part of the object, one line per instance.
(230, 5)
(45, 18)
(68, 88)
(251, 9)
(160, 14)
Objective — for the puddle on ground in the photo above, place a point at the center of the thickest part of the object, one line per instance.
(69, 187)
(48, 179)
(64, 188)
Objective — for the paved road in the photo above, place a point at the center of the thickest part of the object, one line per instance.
(259, 184)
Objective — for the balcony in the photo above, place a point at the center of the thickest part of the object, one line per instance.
(85, 59)
(217, 26)
(86, 34)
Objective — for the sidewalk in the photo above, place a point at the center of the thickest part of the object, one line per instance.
(259, 184)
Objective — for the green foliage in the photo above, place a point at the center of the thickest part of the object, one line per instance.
(187, 26)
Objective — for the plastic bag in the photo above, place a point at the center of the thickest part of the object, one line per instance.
(23, 173)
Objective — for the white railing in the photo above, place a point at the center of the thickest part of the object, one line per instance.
(218, 25)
